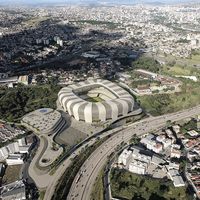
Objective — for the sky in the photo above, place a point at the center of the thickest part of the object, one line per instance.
(92, 1)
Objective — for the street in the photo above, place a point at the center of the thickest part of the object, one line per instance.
(81, 190)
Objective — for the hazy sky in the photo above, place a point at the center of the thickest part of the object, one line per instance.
(82, 1)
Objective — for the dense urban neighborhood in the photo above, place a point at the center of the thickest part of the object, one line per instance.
(99, 100)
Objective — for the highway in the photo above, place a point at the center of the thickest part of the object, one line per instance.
(83, 183)
(52, 181)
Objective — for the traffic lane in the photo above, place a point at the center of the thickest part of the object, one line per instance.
(161, 121)
(89, 170)
(97, 158)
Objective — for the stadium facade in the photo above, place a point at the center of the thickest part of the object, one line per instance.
(96, 101)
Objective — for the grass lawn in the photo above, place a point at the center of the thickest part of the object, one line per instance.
(128, 186)
(42, 193)
(189, 62)
(189, 96)
(181, 70)
(94, 99)
(11, 174)
(34, 21)
(165, 103)
(177, 70)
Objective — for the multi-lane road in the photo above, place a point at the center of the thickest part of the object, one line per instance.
(83, 183)
(52, 181)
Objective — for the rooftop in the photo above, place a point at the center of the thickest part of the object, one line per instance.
(43, 120)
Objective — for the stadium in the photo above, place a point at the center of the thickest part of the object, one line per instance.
(96, 100)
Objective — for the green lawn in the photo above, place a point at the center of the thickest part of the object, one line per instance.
(177, 70)
(128, 186)
(94, 99)
(187, 62)
(159, 104)
(181, 70)
(34, 21)
(42, 193)
(165, 103)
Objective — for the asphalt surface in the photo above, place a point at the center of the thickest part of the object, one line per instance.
(52, 183)
(83, 183)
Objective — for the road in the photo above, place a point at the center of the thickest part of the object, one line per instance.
(81, 190)
(32, 170)
(47, 181)
(52, 181)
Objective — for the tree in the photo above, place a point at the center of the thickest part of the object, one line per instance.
(155, 196)
(164, 188)
(147, 63)
(40, 79)
(142, 182)
(16, 102)
(168, 123)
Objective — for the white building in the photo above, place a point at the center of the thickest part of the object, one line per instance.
(134, 161)
(22, 142)
(167, 142)
(15, 159)
(13, 147)
(161, 138)
(151, 143)
(60, 42)
(175, 153)
(176, 178)
(24, 149)
(193, 133)
(157, 148)
(176, 146)
(176, 128)
(136, 155)
(23, 79)
(138, 167)
(125, 157)
(3, 153)
(169, 132)
(145, 72)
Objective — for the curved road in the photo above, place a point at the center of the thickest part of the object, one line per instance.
(35, 162)
(52, 181)
(81, 189)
